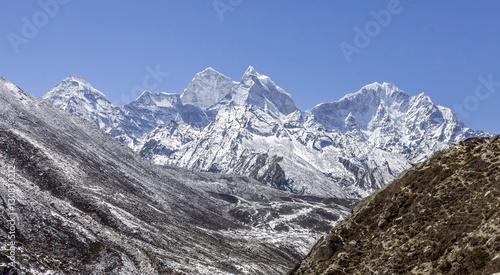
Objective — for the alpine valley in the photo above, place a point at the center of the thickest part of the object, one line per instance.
(226, 178)
(77, 201)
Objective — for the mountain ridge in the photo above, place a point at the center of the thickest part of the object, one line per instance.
(369, 136)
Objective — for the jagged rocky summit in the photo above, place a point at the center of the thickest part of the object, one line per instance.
(343, 149)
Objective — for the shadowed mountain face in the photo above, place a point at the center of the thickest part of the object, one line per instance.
(85, 203)
(343, 149)
(442, 216)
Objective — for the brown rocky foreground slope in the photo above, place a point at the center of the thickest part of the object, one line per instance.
(439, 217)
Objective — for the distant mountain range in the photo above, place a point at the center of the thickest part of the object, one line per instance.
(343, 149)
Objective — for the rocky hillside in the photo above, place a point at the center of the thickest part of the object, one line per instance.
(440, 216)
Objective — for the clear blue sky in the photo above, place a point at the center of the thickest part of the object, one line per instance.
(436, 47)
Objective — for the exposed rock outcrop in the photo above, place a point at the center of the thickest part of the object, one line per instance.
(442, 216)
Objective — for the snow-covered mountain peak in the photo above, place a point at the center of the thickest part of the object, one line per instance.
(209, 70)
(251, 76)
(250, 72)
(394, 94)
(261, 91)
(376, 91)
(391, 86)
(372, 86)
(423, 97)
(209, 73)
(207, 88)
(75, 87)
(76, 95)
(77, 79)
(80, 82)
(210, 90)
(145, 94)
(380, 106)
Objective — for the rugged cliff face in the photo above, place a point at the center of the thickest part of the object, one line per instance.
(440, 216)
